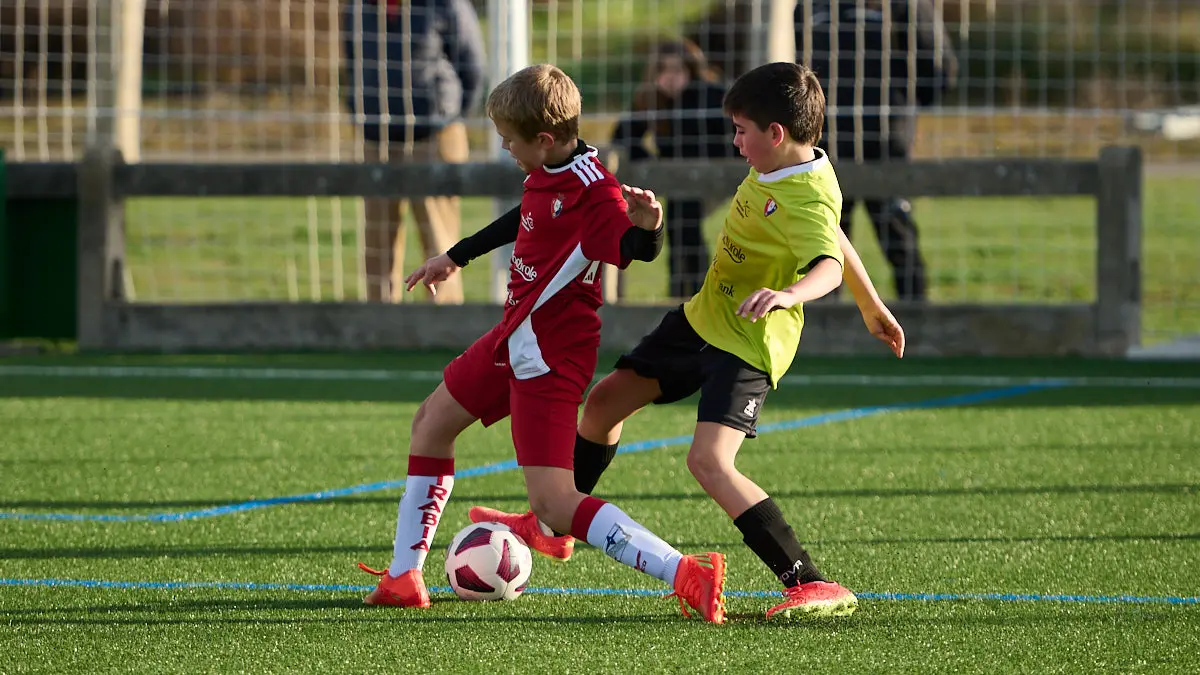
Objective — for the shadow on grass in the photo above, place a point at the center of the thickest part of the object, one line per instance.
(219, 605)
(1160, 488)
(881, 493)
(360, 551)
(965, 614)
(1065, 538)
(869, 619)
(521, 501)
(353, 612)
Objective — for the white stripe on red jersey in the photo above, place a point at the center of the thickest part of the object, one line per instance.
(524, 353)
(572, 219)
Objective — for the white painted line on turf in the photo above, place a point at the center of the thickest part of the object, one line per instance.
(218, 373)
(393, 375)
(991, 381)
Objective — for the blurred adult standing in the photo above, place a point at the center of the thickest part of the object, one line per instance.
(415, 70)
(878, 61)
(678, 104)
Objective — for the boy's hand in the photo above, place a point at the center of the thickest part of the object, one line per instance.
(824, 276)
(643, 209)
(431, 272)
(764, 300)
(883, 325)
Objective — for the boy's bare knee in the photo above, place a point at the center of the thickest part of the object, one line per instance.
(423, 421)
(600, 399)
(613, 399)
(421, 414)
(439, 418)
(706, 467)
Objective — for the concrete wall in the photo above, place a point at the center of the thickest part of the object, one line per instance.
(941, 330)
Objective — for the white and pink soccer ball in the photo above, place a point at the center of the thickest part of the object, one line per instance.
(487, 561)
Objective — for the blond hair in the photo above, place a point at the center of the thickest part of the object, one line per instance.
(538, 99)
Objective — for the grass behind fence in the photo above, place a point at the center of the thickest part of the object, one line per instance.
(978, 250)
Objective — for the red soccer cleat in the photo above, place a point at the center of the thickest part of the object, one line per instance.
(526, 526)
(700, 580)
(816, 598)
(406, 590)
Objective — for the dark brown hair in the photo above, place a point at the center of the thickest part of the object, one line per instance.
(781, 93)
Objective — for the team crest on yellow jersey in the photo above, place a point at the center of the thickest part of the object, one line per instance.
(771, 206)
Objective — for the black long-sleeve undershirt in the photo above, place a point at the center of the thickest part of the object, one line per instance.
(501, 231)
(639, 244)
(636, 243)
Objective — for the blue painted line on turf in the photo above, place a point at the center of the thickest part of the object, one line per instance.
(510, 465)
(943, 402)
(624, 592)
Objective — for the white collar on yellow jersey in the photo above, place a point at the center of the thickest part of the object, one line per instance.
(779, 174)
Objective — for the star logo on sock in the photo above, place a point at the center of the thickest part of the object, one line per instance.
(616, 541)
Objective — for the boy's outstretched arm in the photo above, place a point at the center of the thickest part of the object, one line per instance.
(876, 316)
(437, 269)
(824, 276)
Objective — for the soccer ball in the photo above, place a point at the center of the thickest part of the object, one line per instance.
(487, 561)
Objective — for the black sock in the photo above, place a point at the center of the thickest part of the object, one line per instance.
(591, 459)
(771, 538)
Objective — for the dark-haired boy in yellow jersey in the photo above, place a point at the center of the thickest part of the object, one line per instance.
(781, 246)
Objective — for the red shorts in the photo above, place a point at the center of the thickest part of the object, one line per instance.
(544, 409)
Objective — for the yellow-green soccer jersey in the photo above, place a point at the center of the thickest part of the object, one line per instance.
(779, 225)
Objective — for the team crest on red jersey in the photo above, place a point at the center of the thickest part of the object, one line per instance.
(556, 206)
(771, 206)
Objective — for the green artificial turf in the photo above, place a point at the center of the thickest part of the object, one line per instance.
(1054, 530)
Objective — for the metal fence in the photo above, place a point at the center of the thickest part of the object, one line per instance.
(264, 80)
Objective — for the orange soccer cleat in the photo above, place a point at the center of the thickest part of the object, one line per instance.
(816, 598)
(526, 527)
(700, 580)
(406, 590)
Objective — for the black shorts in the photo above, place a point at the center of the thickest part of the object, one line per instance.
(731, 390)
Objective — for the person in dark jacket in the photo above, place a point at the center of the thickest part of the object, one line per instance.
(679, 105)
(877, 61)
(415, 70)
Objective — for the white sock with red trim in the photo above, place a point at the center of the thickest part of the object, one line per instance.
(609, 529)
(426, 491)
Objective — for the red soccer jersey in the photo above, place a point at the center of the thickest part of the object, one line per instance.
(572, 220)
